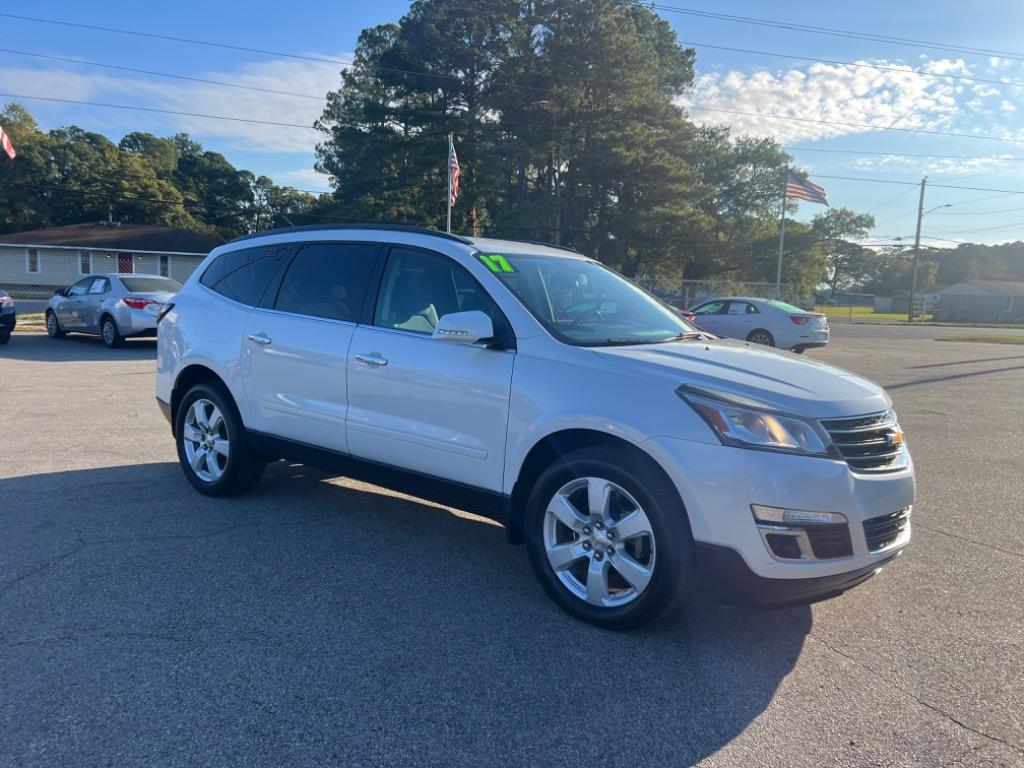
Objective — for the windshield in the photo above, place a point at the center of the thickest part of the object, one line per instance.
(584, 303)
(151, 284)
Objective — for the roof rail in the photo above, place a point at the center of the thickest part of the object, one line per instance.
(382, 227)
(559, 246)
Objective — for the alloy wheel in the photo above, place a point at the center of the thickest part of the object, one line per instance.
(205, 438)
(599, 542)
(761, 338)
(51, 323)
(109, 333)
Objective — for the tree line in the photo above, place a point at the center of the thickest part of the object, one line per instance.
(568, 127)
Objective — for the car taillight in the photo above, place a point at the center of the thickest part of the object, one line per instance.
(6, 301)
(135, 303)
(799, 320)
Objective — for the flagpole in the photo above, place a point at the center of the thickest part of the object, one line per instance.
(782, 235)
(451, 146)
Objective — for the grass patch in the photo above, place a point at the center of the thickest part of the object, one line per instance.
(31, 322)
(986, 338)
(865, 313)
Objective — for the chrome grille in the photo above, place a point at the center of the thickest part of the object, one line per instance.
(868, 443)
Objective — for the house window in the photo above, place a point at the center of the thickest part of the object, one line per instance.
(84, 262)
(126, 263)
(165, 266)
(32, 260)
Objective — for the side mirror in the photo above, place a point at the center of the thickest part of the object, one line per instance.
(465, 327)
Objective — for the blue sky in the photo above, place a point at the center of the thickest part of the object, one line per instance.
(726, 80)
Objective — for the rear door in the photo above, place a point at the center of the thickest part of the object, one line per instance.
(297, 341)
(431, 406)
(89, 309)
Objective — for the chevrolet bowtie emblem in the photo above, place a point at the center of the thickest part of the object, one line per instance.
(895, 437)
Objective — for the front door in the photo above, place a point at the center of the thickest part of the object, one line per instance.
(126, 263)
(297, 342)
(69, 309)
(436, 407)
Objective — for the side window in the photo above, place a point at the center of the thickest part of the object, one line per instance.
(419, 288)
(244, 275)
(752, 310)
(327, 280)
(711, 308)
(99, 285)
(81, 287)
(741, 308)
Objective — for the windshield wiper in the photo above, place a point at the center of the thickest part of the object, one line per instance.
(688, 336)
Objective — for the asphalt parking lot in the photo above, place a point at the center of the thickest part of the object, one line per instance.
(321, 622)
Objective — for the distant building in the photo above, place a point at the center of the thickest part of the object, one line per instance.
(34, 263)
(981, 301)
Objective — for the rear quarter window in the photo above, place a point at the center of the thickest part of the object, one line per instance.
(244, 275)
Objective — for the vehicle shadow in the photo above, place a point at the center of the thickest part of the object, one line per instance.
(38, 347)
(315, 622)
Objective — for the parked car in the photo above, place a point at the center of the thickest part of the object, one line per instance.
(113, 306)
(639, 459)
(769, 322)
(8, 317)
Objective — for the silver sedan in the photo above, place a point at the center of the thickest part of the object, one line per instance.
(112, 306)
(763, 321)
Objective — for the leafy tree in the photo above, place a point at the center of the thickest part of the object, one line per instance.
(847, 262)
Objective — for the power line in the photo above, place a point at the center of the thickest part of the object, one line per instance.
(917, 183)
(864, 152)
(835, 32)
(856, 125)
(221, 83)
(860, 64)
(155, 109)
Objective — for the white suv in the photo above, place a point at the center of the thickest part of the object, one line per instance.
(640, 459)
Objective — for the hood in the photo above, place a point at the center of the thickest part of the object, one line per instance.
(780, 380)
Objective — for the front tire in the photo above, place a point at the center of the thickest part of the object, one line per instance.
(608, 538)
(5, 338)
(761, 336)
(111, 334)
(53, 329)
(212, 446)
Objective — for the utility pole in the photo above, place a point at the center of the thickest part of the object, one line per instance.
(917, 248)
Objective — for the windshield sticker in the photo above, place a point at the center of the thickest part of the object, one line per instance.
(495, 262)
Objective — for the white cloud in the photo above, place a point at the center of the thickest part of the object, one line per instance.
(309, 78)
(831, 93)
(308, 179)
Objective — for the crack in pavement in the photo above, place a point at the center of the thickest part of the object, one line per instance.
(931, 707)
(1017, 555)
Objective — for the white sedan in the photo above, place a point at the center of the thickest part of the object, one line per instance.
(763, 321)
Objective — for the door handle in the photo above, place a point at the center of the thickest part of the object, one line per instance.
(259, 338)
(374, 360)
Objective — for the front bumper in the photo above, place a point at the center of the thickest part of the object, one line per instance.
(718, 484)
(726, 579)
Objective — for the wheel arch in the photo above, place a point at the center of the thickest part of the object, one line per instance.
(549, 449)
(188, 377)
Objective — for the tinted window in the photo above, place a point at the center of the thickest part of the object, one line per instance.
(327, 280)
(80, 288)
(711, 308)
(243, 275)
(420, 288)
(150, 284)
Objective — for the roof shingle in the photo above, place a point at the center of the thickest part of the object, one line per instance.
(117, 237)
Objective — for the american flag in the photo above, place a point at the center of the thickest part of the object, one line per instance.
(804, 189)
(6, 143)
(453, 170)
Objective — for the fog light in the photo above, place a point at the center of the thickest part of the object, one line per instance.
(784, 547)
(780, 516)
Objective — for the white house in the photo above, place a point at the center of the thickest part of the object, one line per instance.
(34, 263)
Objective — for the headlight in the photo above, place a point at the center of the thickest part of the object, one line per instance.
(745, 427)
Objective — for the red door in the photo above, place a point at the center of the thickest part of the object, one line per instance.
(126, 262)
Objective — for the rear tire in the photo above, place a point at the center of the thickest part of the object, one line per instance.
(53, 329)
(5, 338)
(111, 334)
(613, 580)
(213, 448)
(761, 336)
